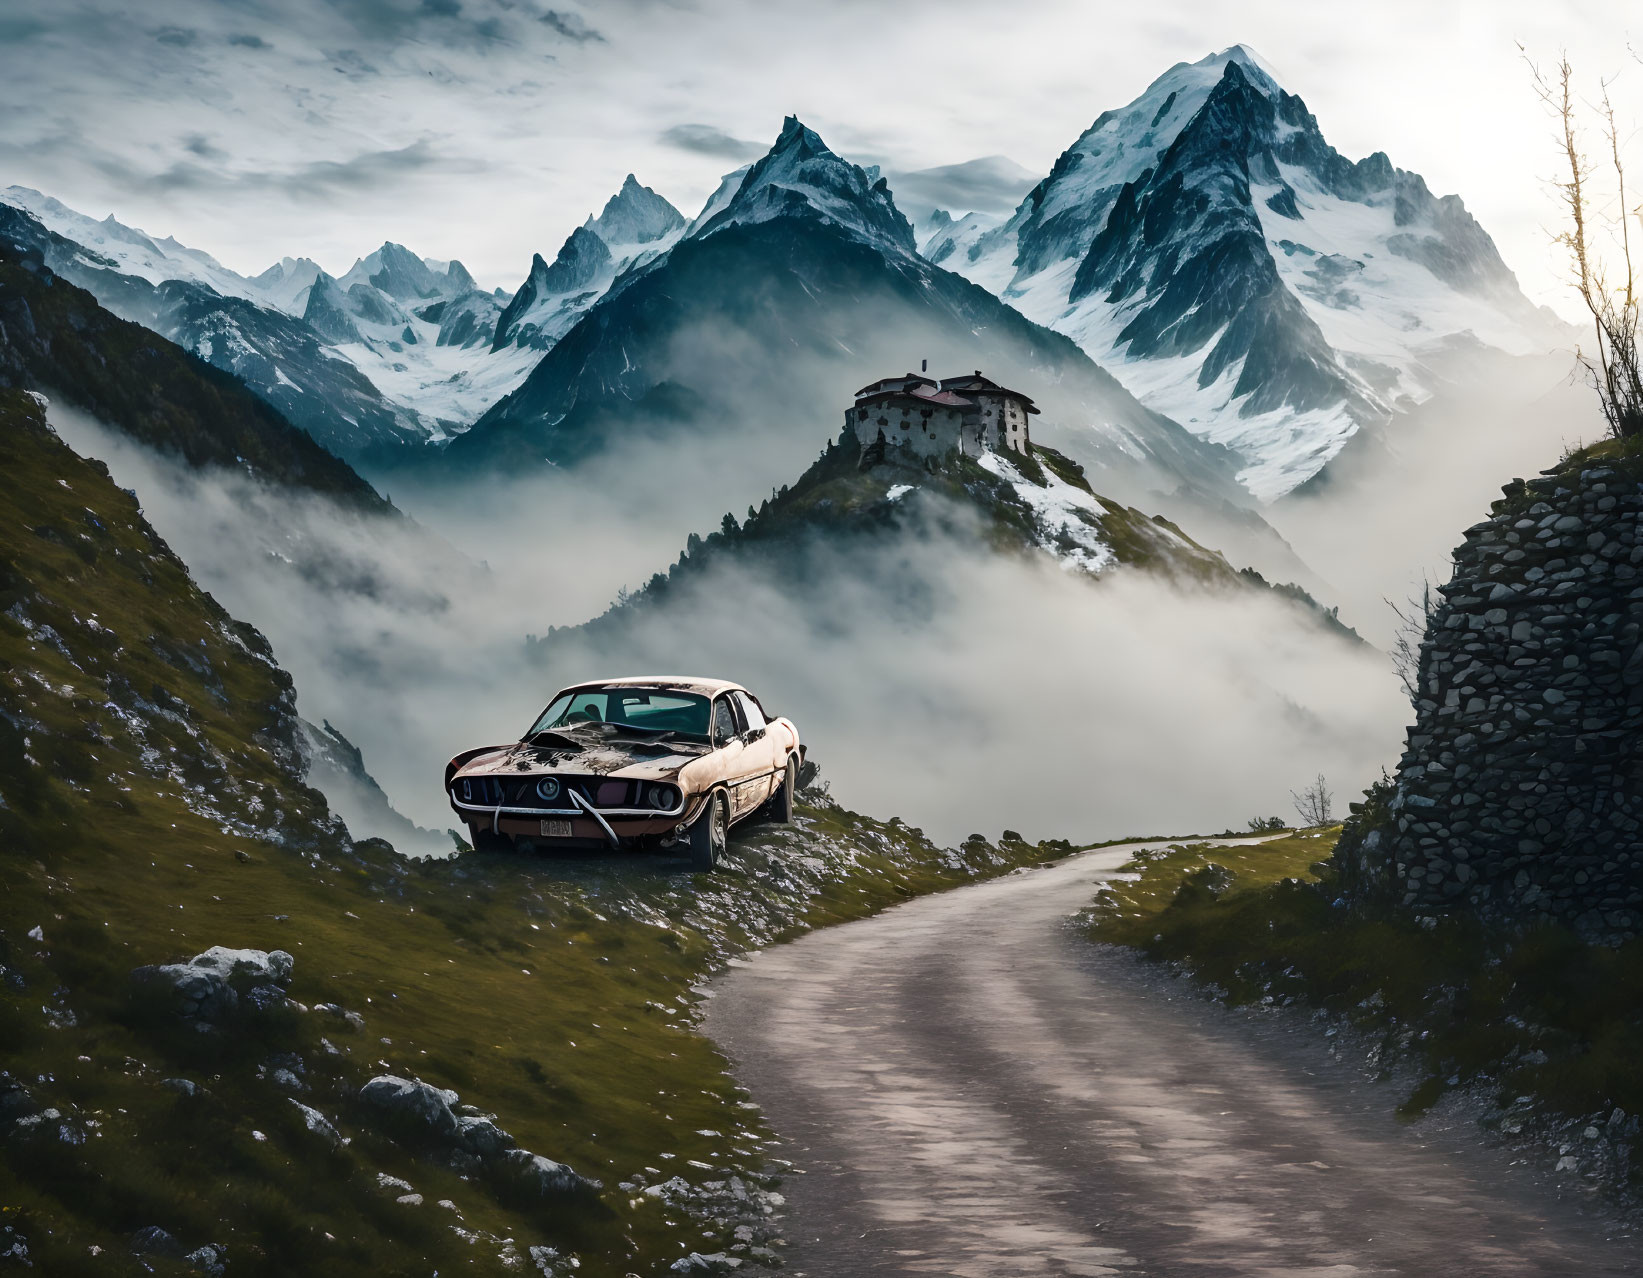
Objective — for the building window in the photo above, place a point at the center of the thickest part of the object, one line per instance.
(861, 414)
(884, 421)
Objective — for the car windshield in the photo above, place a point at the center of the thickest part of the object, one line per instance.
(647, 709)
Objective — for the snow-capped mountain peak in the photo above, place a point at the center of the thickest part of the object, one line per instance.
(634, 228)
(127, 249)
(396, 271)
(800, 176)
(635, 215)
(1237, 273)
(286, 283)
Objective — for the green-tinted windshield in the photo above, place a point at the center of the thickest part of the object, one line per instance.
(649, 709)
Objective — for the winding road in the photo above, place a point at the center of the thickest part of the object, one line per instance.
(968, 1088)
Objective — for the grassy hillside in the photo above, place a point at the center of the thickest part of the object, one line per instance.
(151, 806)
(1547, 1030)
(56, 338)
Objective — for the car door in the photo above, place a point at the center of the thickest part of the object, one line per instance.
(732, 753)
(762, 748)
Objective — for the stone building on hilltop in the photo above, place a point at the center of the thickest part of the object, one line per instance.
(968, 415)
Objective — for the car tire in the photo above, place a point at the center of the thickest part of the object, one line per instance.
(779, 806)
(710, 833)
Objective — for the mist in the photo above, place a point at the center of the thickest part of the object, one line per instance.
(960, 690)
(1399, 498)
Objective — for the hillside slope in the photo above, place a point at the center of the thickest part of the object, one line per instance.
(159, 1114)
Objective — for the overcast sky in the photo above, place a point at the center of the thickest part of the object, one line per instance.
(487, 129)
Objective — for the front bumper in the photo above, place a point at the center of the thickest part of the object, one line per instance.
(534, 824)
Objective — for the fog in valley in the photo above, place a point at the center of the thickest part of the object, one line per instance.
(1398, 499)
(932, 680)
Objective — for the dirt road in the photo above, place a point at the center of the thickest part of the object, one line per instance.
(971, 1089)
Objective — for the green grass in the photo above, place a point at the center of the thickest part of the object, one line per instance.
(1539, 1015)
(151, 806)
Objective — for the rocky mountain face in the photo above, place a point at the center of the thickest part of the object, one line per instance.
(635, 226)
(1520, 795)
(55, 338)
(1241, 276)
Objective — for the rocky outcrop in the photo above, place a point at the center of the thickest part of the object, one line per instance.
(212, 985)
(1521, 792)
(468, 1139)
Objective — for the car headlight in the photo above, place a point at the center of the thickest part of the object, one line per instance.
(548, 788)
(663, 796)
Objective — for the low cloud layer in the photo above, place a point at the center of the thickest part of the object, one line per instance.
(704, 139)
(1400, 497)
(988, 693)
(992, 184)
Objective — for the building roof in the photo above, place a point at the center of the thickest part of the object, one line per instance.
(925, 394)
(894, 383)
(946, 392)
(978, 381)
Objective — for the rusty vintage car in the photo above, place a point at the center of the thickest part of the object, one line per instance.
(642, 762)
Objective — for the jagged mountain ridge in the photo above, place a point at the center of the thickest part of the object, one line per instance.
(804, 266)
(1236, 272)
(635, 226)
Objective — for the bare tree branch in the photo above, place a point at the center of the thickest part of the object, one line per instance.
(1614, 365)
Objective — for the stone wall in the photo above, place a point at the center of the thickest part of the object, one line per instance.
(928, 431)
(1521, 791)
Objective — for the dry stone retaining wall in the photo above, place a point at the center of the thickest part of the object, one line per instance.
(1521, 791)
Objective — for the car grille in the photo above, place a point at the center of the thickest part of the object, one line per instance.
(520, 792)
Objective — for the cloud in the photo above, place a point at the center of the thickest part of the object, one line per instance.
(992, 184)
(368, 171)
(202, 146)
(570, 25)
(704, 139)
(247, 41)
(179, 37)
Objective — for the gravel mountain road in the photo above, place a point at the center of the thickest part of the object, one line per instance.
(969, 1088)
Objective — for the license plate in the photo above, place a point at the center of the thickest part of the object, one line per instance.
(556, 829)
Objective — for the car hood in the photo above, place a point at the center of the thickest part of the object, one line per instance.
(605, 759)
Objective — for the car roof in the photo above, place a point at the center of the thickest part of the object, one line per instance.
(678, 683)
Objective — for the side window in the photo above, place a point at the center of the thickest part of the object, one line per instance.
(724, 721)
(750, 710)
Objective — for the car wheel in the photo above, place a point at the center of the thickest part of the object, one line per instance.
(779, 807)
(709, 834)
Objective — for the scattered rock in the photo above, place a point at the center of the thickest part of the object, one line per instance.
(207, 1260)
(182, 1086)
(482, 1137)
(716, 1262)
(353, 1020)
(49, 1126)
(413, 1106)
(537, 1177)
(15, 1100)
(151, 1240)
(319, 1125)
(209, 986)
